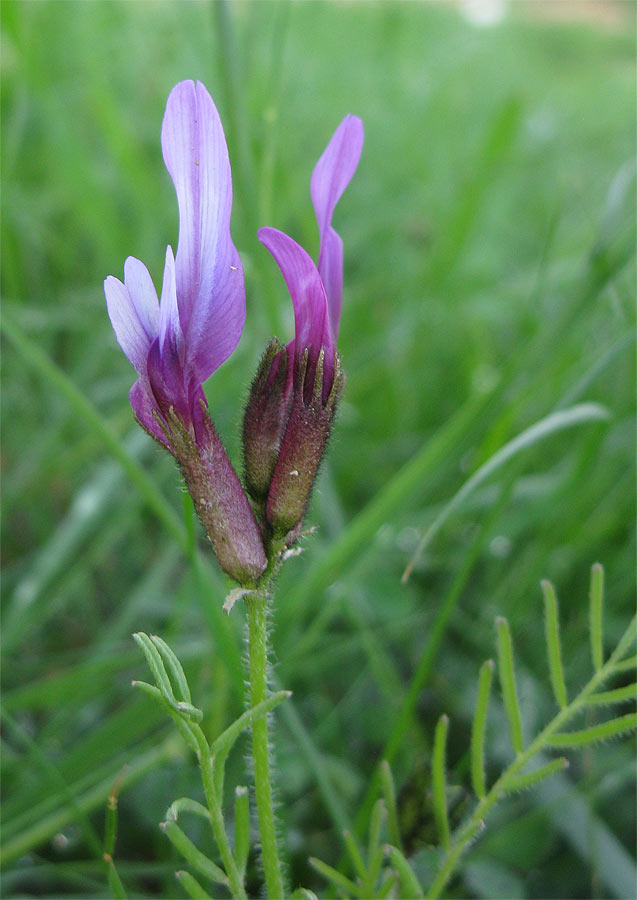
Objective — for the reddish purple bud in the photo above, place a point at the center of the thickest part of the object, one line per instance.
(308, 429)
(265, 419)
(219, 499)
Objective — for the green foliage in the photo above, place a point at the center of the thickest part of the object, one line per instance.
(489, 283)
(212, 758)
(512, 780)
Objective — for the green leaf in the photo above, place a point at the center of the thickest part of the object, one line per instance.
(506, 672)
(185, 804)
(596, 615)
(192, 854)
(409, 884)
(191, 886)
(617, 695)
(175, 667)
(606, 730)
(530, 779)
(191, 712)
(335, 877)
(156, 665)
(439, 781)
(171, 708)
(478, 730)
(225, 741)
(626, 665)
(389, 793)
(241, 827)
(553, 643)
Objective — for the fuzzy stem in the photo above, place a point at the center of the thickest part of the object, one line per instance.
(235, 880)
(258, 639)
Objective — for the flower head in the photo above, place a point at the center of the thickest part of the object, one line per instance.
(175, 344)
(288, 422)
(317, 291)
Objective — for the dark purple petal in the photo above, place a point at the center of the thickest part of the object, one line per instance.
(133, 310)
(331, 175)
(166, 379)
(209, 275)
(312, 327)
(143, 403)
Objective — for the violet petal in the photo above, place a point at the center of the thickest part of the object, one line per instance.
(209, 275)
(331, 175)
(143, 403)
(133, 310)
(312, 327)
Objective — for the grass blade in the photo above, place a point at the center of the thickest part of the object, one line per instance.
(439, 781)
(507, 681)
(596, 615)
(409, 884)
(389, 793)
(553, 643)
(114, 881)
(374, 850)
(478, 730)
(551, 424)
(87, 413)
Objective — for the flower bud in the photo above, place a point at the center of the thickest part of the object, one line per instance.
(218, 497)
(308, 429)
(264, 420)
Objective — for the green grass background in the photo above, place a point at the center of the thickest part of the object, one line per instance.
(490, 275)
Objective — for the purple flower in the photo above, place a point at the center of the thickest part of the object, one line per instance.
(177, 343)
(288, 421)
(317, 292)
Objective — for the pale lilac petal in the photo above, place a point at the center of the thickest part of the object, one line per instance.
(312, 327)
(143, 294)
(130, 320)
(209, 276)
(143, 403)
(331, 175)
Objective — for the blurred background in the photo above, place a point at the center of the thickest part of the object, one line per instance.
(489, 282)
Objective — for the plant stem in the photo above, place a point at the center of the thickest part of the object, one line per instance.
(216, 817)
(258, 639)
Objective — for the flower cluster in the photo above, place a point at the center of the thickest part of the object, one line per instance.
(177, 342)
